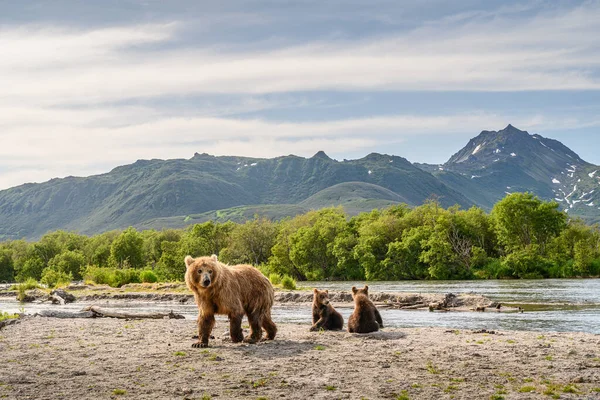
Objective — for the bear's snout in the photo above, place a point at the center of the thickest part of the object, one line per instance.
(206, 282)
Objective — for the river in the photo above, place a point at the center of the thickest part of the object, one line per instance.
(561, 305)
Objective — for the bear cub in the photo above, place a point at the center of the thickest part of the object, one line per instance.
(365, 317)
(324, 315)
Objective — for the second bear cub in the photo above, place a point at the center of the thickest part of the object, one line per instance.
(365, 317)
(324, 315)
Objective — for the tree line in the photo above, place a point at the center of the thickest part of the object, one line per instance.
(522, 237)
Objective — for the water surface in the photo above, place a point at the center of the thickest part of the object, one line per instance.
(564, 305)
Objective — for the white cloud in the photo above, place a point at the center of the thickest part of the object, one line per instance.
(63, 90)
(55, 143)
(552, 51)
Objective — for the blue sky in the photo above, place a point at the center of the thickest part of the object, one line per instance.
(87, 86)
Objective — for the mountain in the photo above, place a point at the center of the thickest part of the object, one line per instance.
(156, 193)
(175, 193)
(496, 163)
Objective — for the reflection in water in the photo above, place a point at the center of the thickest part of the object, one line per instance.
(569, 305)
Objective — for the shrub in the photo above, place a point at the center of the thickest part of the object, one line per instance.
(125, 276)
(53, 277)
(28, 284)
(99, 275)
(111, 276)
(148, 276)
(5, 316)
(288, 282)
(275, 278)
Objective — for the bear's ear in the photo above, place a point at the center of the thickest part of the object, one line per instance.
(214, 257)
(327, 291)
(188, 260)
(354, 290)
(366, 288)
(315, 291)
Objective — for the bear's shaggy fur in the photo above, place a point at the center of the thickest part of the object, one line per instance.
(234, 291)
(365, 317)
(324, 315)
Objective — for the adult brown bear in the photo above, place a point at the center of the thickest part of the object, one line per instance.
(234, 291)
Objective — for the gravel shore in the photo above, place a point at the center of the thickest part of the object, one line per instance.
(47, 358)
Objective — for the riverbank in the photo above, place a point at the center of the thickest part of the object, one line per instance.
(178, 292)
(46, 358)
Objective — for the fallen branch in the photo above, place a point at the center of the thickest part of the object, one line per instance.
(66, 314)
(9, 321)
(103, 312)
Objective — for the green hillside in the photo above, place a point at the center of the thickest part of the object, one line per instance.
(156, 190)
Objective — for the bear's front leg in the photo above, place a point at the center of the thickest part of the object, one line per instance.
(205, 326)
(235, 327)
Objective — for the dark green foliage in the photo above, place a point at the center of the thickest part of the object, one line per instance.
(111, 276)
(127, 249)
(144, 193)
(523, 237)
(53, 277)
(148, 277)
(7, 268)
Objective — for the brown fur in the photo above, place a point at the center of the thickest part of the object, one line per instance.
(234, 291)
(366, 317)
(324, 315)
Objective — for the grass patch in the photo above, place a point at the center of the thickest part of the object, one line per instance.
(403, 396)
(119, 392)
(4, 316)
(548, 358)
(570, 389)
(260, 383)
(451, 388)
(275, 278)
(526, 389)
(432, 369)
(180, 354)
(330, 388)
(496, 397)
(287, 282)
(319, 347)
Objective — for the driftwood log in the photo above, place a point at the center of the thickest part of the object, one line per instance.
(104, 312)
(10, 321)
(99, 312)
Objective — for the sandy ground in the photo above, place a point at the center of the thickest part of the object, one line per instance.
(47, 358)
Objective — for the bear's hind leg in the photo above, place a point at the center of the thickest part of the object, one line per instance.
(235, 328)
(255, 330)
(269, 326)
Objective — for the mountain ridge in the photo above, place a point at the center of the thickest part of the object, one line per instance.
(147, 192)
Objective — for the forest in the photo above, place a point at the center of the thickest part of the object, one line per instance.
(523, 237)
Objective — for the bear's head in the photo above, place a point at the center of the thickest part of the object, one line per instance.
(321, 296)
(356, 292)
(201, 271)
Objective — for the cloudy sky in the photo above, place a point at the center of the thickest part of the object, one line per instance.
(89, 85)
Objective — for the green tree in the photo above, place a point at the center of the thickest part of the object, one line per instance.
(127, 249)
(251, 242)
(311, 246)
(69, 263)
(7, 268)
(522, 220)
